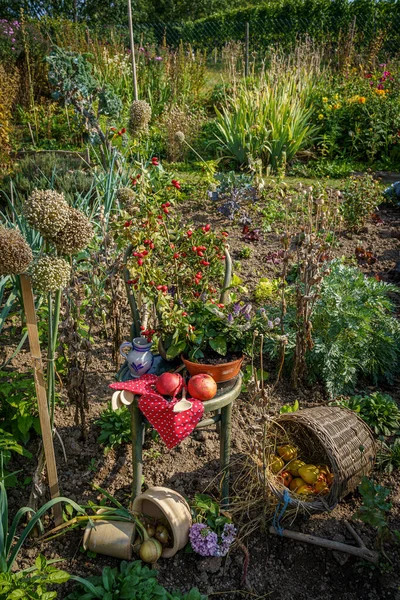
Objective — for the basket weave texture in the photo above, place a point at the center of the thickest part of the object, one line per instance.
(338, 436)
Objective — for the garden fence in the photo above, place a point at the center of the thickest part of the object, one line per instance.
(376, 35)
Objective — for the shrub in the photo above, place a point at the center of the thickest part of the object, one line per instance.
(355, 333)
(361, 195)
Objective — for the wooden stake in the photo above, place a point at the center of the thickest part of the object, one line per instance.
(40, 385)
(363, 552)
(132, 44)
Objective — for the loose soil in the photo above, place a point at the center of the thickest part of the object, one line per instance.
(278, 567)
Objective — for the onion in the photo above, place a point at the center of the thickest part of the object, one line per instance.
(162, 534)
(150, 530)
(150, 551)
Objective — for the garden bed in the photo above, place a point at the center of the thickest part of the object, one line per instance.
(277, 566)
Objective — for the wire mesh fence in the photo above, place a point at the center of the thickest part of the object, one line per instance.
(212, 35)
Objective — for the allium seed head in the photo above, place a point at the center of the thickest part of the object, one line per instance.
(125, 196)
(180, 137)
(15, 252)
(50, 274)
(140, 115)
(46, 211)
(76, 234)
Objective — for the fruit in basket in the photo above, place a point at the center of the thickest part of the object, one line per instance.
(285, 478)
(329, 478)
(305, 490)
(309, 473)
(169, 384)
(276, 464)
(202, 387)
(321, 488)
(296, 483)
(294, 466)
(288, 452)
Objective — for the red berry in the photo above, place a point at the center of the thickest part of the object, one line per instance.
(152, 246)
(140, 262)
(189, 233)
(145, 253)
(166, 210)
(221, 305)
(128, 223)
(151, 282)
(159, 287)
(176, 255)
(200, 253)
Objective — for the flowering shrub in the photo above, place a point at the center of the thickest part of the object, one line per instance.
(359, 113)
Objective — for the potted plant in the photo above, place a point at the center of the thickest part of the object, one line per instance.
(212, 338)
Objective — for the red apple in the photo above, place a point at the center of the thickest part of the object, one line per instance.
(285, 478)
(202, 387)
(169, 384)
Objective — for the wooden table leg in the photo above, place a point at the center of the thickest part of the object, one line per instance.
(137, 428)
(225, 451)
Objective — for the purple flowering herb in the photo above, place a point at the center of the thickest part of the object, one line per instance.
(270, 325)
(236, 308)
(203, 540)
(230, 318)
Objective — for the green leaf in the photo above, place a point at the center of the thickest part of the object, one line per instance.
(219, 344)
(58, 576)
(40, 562)
(175, 350)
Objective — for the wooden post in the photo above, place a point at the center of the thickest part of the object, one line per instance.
(247, 41)
(137, 428)
(40, 386)
(132, 44)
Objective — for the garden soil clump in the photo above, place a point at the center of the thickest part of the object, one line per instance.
(278, 567)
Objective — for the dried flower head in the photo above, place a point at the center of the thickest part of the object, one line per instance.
(15, 252)
(46, 211)
(50, 274)
(140, 115)
(76, 234)
(125, 197)
(180, 137)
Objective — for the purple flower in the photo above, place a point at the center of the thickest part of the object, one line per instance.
(277, 321)
(227, 538)
(158, 58)
(141, 49)
(203, 540)
(236, 308)
(270, 325)
(230, 318)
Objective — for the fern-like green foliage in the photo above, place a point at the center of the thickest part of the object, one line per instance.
(354, 330)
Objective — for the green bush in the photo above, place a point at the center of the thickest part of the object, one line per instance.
(361, 196)
(355, 333)
(133, 581)
(378, 410)
(115, 427)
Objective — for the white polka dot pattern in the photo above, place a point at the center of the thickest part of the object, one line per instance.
(146, 384)
(172, 427)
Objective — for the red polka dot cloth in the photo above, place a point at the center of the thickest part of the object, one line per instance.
(146, 384)
(172, 427)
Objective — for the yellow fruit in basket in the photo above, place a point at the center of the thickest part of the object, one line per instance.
(287, 452)
(296, 483)
(329, 478)
(294, 466)
(309, 473)
(305, 490)
(276, 464)
(321, 488)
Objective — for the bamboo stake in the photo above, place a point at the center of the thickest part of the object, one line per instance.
(362, 552)
(47, 437)
(132, 44)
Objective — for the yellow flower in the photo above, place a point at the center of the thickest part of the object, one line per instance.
(320, 117)
(380, 92)
(336, 97)
(336, 106)
(362, 100)
(355, 98)
(325, 99)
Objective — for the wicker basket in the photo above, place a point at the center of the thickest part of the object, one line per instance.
(328, 435)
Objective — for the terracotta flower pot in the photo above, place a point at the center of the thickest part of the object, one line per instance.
(163, 502)
(113, 538)
(221, 372)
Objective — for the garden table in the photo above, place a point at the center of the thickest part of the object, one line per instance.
(221, 406)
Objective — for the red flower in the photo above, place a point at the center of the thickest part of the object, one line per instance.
(122, 131)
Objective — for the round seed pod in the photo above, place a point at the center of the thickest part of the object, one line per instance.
(125, 196)
(75, 235)
(15, 252)
(46, 211)
(50, 274)
(180, 137)
(140, 115)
